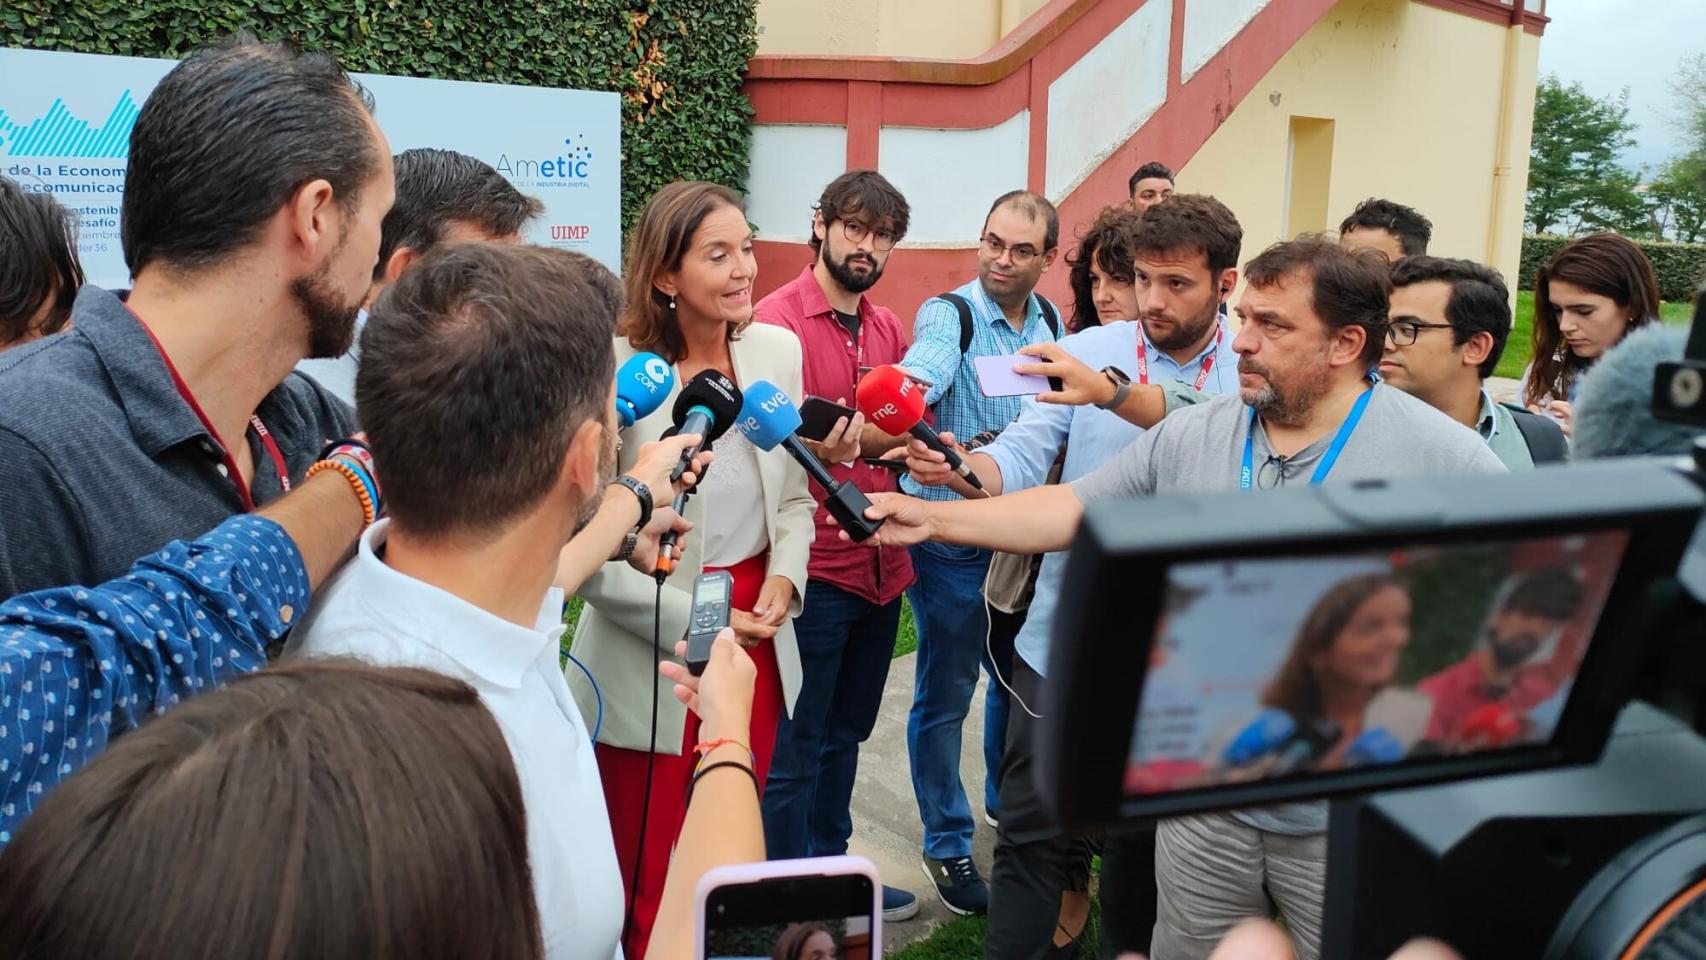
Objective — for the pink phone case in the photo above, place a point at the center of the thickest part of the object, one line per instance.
(746, 873)
(996, 377)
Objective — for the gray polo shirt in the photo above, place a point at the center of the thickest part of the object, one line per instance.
(1201, 448)
(103, 462)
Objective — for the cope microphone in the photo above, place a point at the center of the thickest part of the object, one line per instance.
(707, 406)
(768, 418)
(642, 385)
(895, 404)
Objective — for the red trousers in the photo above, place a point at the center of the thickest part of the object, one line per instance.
(624, 776)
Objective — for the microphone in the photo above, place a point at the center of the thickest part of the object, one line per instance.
(642, 384)
(1489, 725)
(1311, 741)
(768, 418)
(891, 400)
(1374, 745)
(707, 406)
(1265, 734)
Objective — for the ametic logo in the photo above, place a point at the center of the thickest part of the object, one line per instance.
(571, 166)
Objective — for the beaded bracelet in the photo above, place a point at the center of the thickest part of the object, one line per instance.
(712, 766)
(368, 511)
(367, 479)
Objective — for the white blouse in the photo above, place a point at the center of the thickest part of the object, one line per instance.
(734, 503)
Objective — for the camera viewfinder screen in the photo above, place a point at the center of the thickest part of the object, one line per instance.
(1276, 666)
(829, 938)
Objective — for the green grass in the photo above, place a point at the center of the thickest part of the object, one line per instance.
(962, 938)
(1518, 349)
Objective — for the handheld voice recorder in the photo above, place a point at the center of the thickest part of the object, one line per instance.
(710, 615)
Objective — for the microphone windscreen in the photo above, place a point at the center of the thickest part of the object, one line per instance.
(1613, 412)
(1271, 728)
(890, 399)
(714, 392)
(642, 385)
(767, 415)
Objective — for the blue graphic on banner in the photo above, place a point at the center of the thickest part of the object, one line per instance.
(59, 133)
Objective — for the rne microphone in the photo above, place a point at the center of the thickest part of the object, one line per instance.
(768, 417)
(895, 404)
(707, 406)
(642, 385)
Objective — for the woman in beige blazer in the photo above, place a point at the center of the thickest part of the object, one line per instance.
(689, 276)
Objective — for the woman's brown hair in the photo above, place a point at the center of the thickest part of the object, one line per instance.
(1294, 688)
(656, 246)
(1602, 263)
(793, 940)
(316, 809)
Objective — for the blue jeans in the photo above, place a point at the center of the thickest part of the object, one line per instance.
(846, 643)
(948, 608)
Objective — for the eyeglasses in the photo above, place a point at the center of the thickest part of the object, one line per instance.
(1271, 476)
(1403, 333)
(993, 245)
(856, 232)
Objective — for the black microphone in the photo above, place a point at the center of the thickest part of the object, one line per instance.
(768, 418)
(707, 406)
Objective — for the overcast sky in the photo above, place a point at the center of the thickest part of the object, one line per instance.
(1612, 44)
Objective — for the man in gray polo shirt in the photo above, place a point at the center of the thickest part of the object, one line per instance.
(164, 411)
(1313, 325)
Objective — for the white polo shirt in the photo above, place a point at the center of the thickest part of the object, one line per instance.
(377, 615)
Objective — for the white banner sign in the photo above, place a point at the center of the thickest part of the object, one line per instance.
(65, 121)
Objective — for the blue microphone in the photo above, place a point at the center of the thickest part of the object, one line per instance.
(1265, 734)
(768, 418)
(642, 385)
(1374, 745)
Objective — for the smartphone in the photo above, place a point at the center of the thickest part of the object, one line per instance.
(995, 375)
(818, 416)
(827, 906)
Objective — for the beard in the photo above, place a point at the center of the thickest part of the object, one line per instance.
(1288, 405)
(843, 273)
(331, 321)
(606, 474)
(1189, 332)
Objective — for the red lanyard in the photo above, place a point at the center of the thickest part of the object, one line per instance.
(1202, 375)
(229, 459)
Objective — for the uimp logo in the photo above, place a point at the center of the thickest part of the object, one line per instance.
(572, 232)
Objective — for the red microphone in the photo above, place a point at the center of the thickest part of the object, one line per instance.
(1489, 725)
(894, 402)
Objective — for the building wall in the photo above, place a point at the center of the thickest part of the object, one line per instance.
(1409, 96)
(939, 29)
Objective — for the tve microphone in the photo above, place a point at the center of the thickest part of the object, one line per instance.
(768, 418)
(891, 400)
(642, 384)
(707, 406)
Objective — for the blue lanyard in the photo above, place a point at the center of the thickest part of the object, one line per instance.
(1247, 477)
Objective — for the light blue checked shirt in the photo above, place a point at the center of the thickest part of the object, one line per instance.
(1092, 437)
(935, 355)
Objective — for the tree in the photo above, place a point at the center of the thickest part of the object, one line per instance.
(1574, 179)
(1677, 196)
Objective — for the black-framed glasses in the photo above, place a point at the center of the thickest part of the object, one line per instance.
(994, 246)
(856, 232)
(1271, 475)
(1403, 333)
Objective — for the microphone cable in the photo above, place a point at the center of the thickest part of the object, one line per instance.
(651, 764)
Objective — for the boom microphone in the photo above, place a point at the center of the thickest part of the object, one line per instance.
(768, 418)
(891, 400)
(707, 406)
(642, 384)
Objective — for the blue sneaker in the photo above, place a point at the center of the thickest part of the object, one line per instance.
(959, 885)
(898, 904)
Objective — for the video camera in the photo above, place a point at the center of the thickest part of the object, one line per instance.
(1451, 661)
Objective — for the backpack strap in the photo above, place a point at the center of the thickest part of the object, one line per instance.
(1545, 439)
(964, 307)
(1050, 317)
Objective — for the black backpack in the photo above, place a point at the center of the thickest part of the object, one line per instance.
(963, 305)
(1545, 439)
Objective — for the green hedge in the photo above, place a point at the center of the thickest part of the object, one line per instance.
(1680, 266)
(677, 63)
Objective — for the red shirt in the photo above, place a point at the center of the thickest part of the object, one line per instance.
(832, 362)
(1461, 688)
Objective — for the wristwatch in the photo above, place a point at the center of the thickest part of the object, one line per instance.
(630, 542)
(1122, 387)
(642, 493)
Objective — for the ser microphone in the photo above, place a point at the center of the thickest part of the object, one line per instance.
(895, 404)
(642, 385)
(768, 418)
(707, 406)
